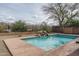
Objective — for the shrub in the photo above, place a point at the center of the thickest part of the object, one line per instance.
(2, 28)
(19, 26)
(74, 23)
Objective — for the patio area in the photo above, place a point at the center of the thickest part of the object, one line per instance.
(23, 49)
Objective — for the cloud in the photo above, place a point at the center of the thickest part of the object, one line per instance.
(10, 18)
(29, 12)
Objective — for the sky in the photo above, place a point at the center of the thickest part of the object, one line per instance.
(28, 12)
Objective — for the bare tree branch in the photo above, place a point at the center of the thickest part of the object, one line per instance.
(62, 11)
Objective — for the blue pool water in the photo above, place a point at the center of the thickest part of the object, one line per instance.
(49, 42)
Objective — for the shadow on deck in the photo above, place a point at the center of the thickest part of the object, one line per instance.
(3, 50)
(75, 53)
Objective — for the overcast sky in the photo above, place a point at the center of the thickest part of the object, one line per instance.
(29, 12)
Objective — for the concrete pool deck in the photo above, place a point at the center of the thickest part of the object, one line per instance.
(19, 48)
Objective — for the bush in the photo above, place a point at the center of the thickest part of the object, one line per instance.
(74, 23)
(19, 26)
(2, 28)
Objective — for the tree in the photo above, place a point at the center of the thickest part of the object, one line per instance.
(62, 12)
(45, 27)
(19, 26)
(3, 27)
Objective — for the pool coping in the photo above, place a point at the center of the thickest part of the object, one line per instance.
(50, 34)
(45, 52)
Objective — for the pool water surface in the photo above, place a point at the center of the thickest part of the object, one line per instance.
(49, 42)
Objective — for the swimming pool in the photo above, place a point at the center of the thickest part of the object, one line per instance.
(49, 42)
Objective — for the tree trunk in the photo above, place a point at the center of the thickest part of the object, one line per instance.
(61, 27)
